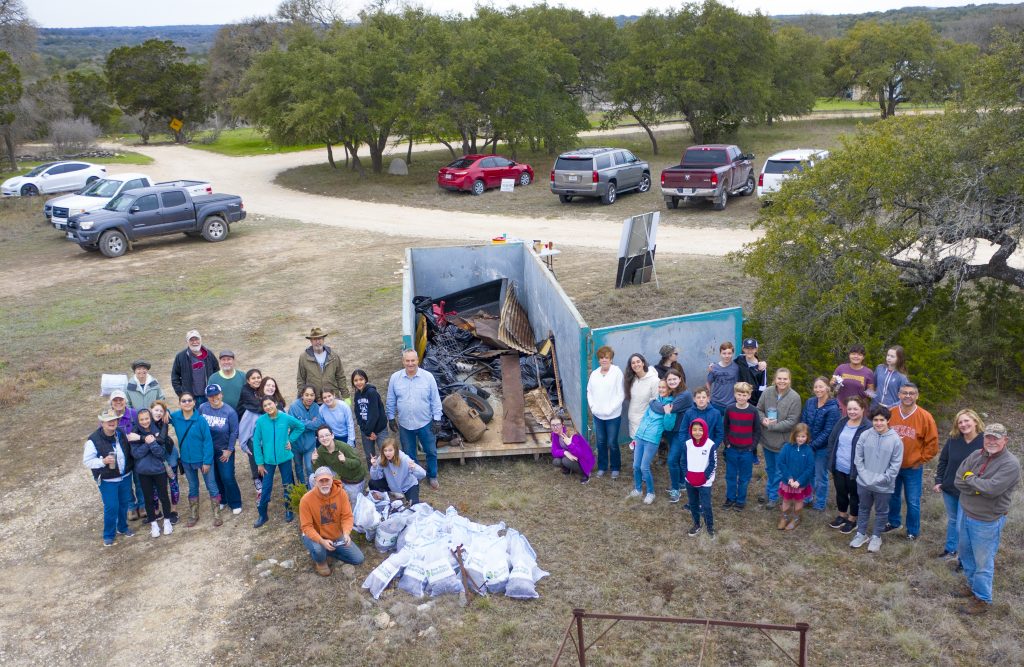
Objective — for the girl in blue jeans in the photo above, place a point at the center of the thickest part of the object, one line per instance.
(648, 435)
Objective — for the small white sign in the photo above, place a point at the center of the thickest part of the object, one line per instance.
(507, 184)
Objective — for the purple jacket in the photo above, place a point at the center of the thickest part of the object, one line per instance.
(578, 447)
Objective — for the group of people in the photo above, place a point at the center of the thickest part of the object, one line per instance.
(143, 445)
(862, 428)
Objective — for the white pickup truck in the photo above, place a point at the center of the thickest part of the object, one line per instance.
(96, 195)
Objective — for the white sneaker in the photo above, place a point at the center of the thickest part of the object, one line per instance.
(615, 474)
(859, 540)
(168, 528)
(237, 510)
(875, 545)
(635, 493)
(600, 473)
(154, 529)
(648, 499)
(220, 506)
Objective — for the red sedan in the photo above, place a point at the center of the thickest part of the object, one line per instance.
(477, 173)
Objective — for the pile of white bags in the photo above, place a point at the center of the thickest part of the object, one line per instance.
(496, 560)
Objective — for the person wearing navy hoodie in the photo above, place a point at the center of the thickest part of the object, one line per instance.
(223, 422)
(150, 445)
(821, 412)
(370, 414)
(699, 462)
(107, 455)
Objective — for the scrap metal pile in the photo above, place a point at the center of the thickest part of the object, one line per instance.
(478, 344)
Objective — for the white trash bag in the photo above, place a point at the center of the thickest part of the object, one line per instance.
(382, 575)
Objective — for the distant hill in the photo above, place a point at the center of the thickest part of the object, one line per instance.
(66, 48)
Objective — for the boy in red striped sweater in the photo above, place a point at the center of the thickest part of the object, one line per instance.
(742, 431)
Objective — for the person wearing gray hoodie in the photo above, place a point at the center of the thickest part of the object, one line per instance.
(877, 459)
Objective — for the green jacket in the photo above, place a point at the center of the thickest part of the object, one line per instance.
(271, 436)
(352, 471)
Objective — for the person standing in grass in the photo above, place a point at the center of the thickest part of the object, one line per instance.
(821, 412)
(742, 432)
(648, 435)
(229, 380)
(150, 445)
(986, 480)
(320, 366)
(248, 411)
(752, 370)
(965, 438)
(722, 377)
(779, 411)
(796, 469)
(413, 409)
(196, 445)
(701, 409)
(853, 378)
(193, 367)
(877, 460)
(306, 410)
(640, 384)
(272, 441)
(669, 359)
(570, 451)
(889, 377)
(700, 463)
(682, 400)
(371, 415)
(223, 422)
(920, 436)
(143, 388)
(108, 457)
(605, 394)
(842, 443)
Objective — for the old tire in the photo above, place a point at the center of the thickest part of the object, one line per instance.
(215, 228)
(748, 189)
(482, 406)
(672, 202)
(524, 178)
(113, 243)
(720, 204)
(29, 190)
(645, 183)
(478, 188)
(565, 199)
(609, 196)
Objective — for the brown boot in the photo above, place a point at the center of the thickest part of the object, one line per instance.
(795, 521)
(974, 607)
(323, 569)
(783, 520)
(215, 506)
(193, 512)
(963, 591)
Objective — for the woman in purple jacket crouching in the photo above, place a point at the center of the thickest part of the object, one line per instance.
(570, 451)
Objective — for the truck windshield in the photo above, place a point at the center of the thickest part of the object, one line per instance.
(102, 188)
(702, 158)
(120, 203)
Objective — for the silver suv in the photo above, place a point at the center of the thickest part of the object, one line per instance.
(599, 172)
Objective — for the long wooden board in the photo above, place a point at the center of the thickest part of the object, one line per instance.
(513, 426)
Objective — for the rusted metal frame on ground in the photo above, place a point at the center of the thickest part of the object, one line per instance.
(704, 644)
(566, 636)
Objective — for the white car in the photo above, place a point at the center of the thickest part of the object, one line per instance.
(786, 164)
(53, 177)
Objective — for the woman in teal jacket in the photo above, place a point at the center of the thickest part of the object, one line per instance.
(648, 435)
(272, 440)
(196, 446)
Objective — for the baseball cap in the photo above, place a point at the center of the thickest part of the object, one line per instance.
(117, 393)
(750, 342)
(996, 430)
(226, 353)
(213, 390)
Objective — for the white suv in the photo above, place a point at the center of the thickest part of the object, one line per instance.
(786, 164)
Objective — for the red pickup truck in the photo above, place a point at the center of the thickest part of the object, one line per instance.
(713, 172)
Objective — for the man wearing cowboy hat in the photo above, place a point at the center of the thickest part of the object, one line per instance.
(109, 458)
(321, 367)
(193, 367)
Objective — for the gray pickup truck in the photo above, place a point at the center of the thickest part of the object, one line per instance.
(155, 211)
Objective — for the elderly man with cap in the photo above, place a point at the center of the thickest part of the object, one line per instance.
(325, 517)
(143, 388)
(108, 456)
(986, 481)
(193, 367)
(229, 380)
(321, 367)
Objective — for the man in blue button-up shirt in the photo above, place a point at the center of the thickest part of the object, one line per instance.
(413, 393)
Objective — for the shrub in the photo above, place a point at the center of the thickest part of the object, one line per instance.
(72, 136)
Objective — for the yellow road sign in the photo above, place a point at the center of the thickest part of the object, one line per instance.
(176, 124)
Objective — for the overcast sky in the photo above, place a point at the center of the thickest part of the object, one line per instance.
(82, 13)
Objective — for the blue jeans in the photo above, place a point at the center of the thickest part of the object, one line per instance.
(979, 542)
(773, 476)
(676, 450)
(137, 499)
(348, 554)
(700, 504)
(820, 478)
(909, 481)
(228, 484)
(607, 432)
(371, 447)
(268, 485)
(116, 496)
(192, 472)
(739, 468)
(952, 504)
(303, 463)
(642, 458)
(428, 443)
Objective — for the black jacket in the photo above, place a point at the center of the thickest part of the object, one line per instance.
(181, 371)
(248, 400)
(150, 458)
(753, 377)
(952, 455)
(833, 443)
(369, 409)
(105, 445)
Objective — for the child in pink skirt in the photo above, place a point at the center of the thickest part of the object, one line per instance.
(796, 468)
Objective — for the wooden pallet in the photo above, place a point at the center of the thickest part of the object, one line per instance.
(491, 444)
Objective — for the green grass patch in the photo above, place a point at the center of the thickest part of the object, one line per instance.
(245, 141)
(827, 104)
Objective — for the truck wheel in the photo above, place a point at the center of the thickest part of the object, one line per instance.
(565, 199)
(645, 183)
(720, 204)
(478, 187)
(609, 196)
(748, 189)
(113, 243)
(672, 202)
(215, 229)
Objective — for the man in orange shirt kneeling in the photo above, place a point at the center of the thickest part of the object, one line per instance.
(325, 516)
